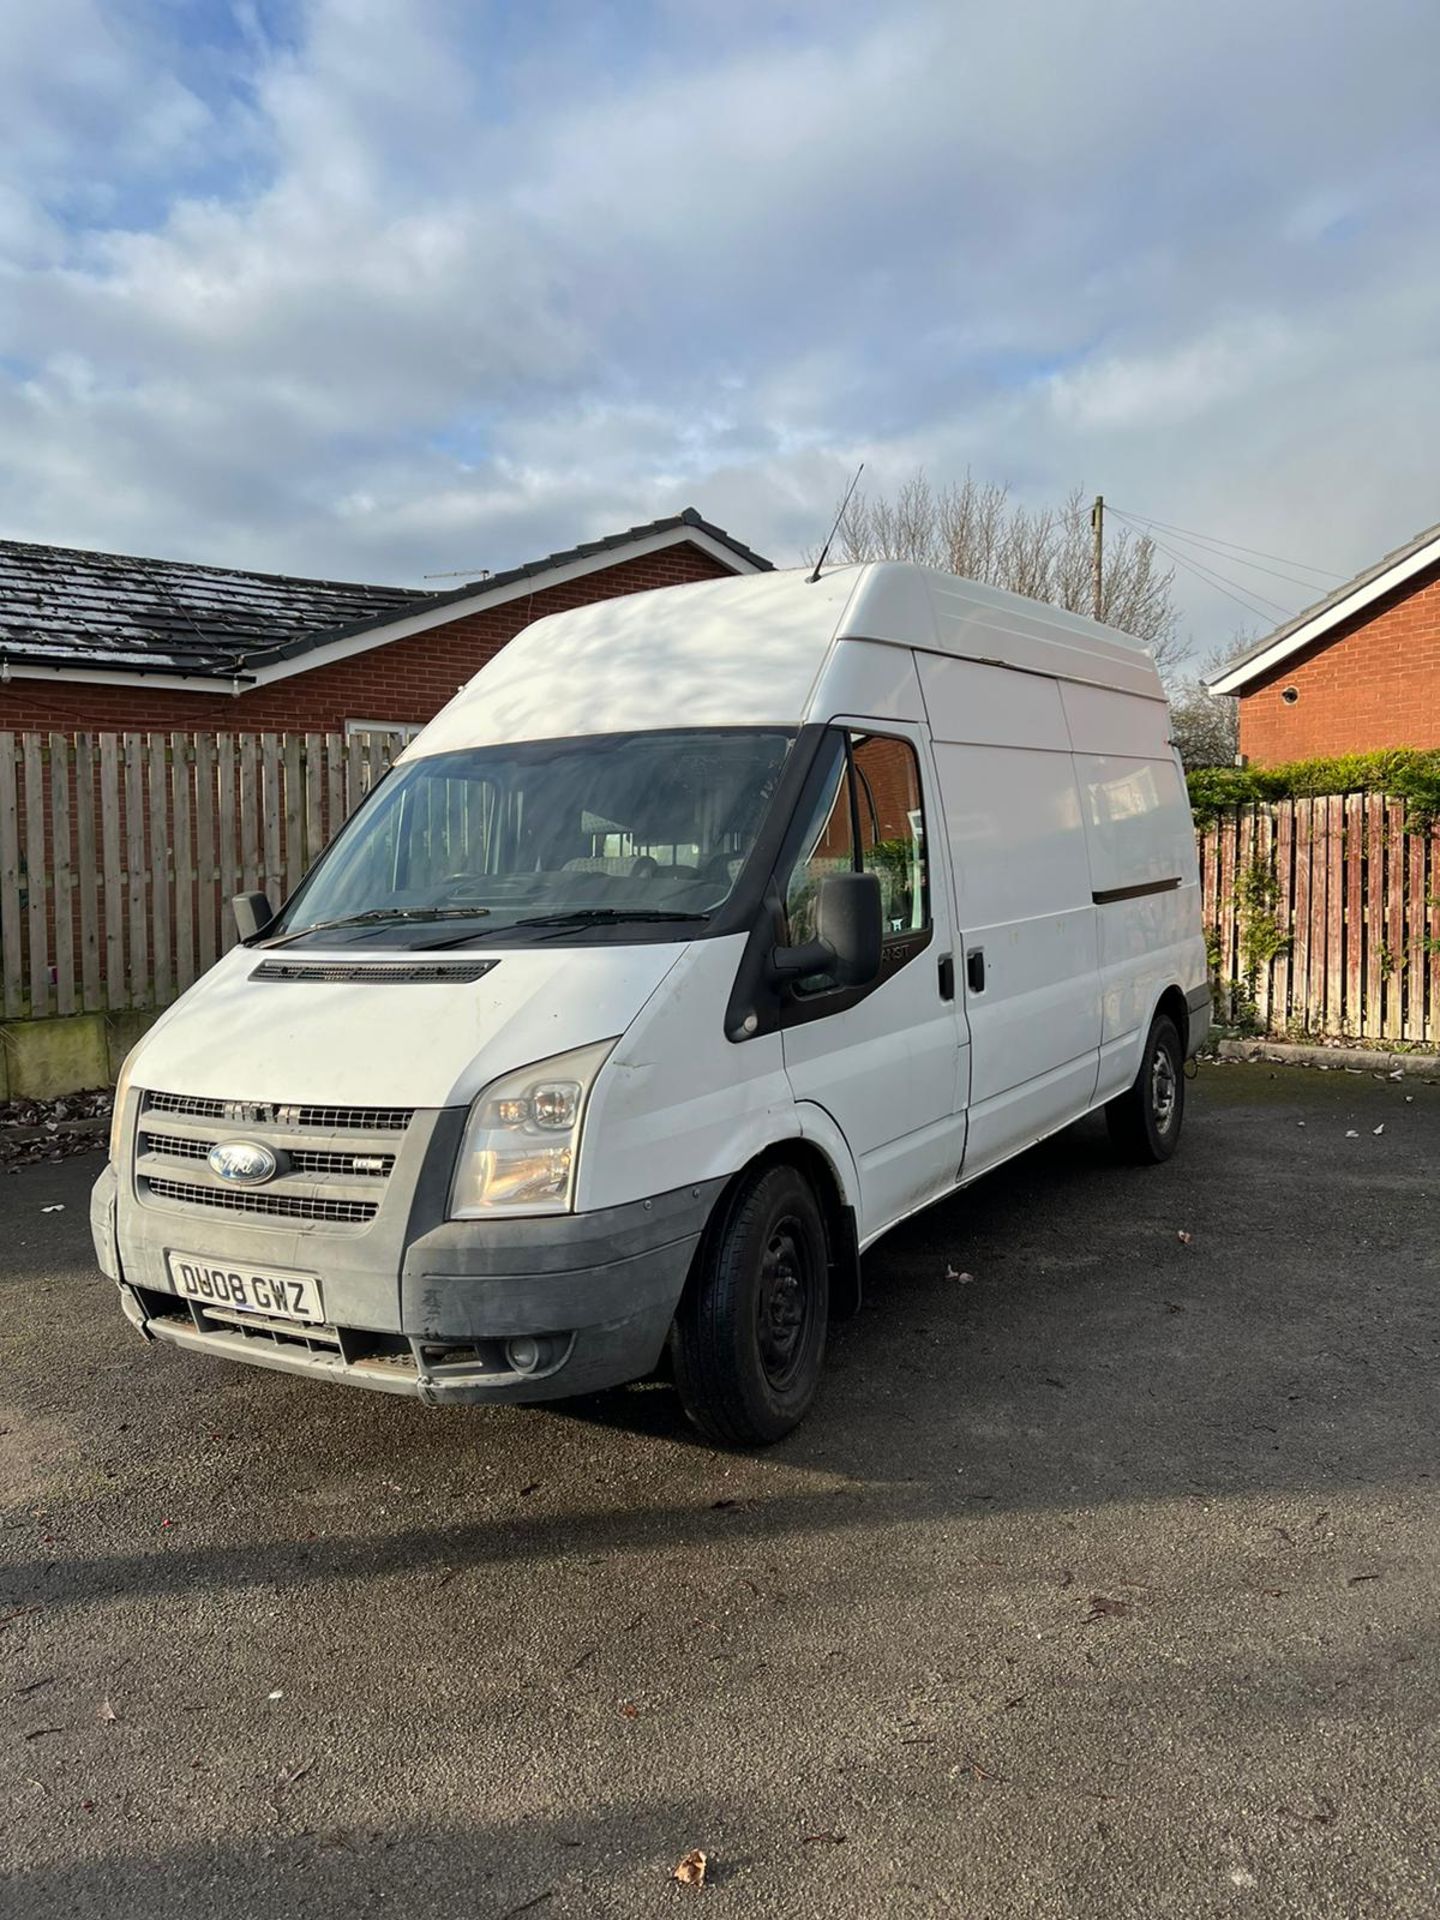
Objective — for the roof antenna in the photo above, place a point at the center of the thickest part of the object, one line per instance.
(825, 550)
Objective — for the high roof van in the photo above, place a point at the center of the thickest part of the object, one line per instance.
(704, 936)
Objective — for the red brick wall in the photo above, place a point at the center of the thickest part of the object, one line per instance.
(1376, 685)
(406, 680)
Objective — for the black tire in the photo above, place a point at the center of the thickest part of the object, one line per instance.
(1146, 1119)
(748, 1342)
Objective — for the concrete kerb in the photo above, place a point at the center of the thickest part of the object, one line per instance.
(1296, 1054)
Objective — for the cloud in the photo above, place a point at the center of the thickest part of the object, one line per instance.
(375, 290)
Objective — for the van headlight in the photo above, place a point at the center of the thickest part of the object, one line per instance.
(522, 1138)
(117, 1112)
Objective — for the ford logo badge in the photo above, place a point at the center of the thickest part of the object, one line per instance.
(245, 1163)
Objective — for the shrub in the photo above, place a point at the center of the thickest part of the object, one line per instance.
(1411, 774)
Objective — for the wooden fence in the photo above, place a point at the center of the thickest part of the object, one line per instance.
(1324, 918)
(119, 852)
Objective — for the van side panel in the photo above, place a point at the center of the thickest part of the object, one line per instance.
(678, 1103)
(1140, 835)
(1023, 898)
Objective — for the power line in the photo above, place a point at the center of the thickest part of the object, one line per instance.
(1231, 592)
(1207, 547)
(1215, 540)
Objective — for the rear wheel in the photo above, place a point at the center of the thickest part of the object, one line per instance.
(1145, 1120)
(748, 1343)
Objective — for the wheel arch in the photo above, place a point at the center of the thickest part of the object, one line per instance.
(841, 1231)
(1173, 1002)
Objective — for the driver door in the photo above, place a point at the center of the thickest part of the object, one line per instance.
(886, 1062)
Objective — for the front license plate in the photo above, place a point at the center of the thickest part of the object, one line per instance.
(214, 1283)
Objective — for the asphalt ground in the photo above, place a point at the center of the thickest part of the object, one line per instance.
(1102, 1581)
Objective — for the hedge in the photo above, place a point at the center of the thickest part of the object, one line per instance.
(1411, 774)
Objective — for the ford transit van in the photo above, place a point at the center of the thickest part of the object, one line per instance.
(706, 934)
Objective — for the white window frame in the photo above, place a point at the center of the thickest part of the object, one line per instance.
(407, 729)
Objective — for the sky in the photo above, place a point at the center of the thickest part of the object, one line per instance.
(385, 289)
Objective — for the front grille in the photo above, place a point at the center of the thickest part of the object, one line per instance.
(274, 1206)
(360, 1166)
(259, 1113)
(378, 973)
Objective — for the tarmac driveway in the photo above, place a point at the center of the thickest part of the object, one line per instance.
(1102, 1581)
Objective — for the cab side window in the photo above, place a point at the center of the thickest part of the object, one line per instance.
(827, 846)
(869, 818)
(892, 827)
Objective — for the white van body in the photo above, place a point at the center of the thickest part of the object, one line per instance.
(1043, 914)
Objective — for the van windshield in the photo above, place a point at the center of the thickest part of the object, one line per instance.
(559, 835)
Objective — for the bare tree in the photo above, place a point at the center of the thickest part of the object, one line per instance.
(978, 531)
(1205, 726)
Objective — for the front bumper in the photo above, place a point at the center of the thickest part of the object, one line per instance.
(596, 1292)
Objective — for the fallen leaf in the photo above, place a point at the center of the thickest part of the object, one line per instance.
(289, 1775)
(629, 1710)
(834, 1836)
(1101, 1605)
(1184, 1238)
(690, 1871)
(961, 1279)
(105, 1711)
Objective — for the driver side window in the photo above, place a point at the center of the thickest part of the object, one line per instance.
(869, 818)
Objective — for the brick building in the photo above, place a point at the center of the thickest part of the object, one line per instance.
(95, 641)
(1358, 671)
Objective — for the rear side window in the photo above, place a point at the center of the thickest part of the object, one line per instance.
(869, 818)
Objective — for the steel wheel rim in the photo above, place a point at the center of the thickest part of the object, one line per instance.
(784, 1302)
(1164, 1088)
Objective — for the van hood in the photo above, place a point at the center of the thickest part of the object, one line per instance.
(305, 1041)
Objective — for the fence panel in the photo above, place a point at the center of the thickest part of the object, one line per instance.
(37, 901)
(120, 853)
(12, 951)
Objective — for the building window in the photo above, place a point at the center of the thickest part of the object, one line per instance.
(403, 730)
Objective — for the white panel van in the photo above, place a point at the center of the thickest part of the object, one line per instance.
(706, 934)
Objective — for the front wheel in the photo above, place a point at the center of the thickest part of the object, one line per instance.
(1145, 1120)
(749, 1339)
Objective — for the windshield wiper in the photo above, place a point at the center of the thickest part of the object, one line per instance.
(567, 922)
(605, 917)
(375, 916)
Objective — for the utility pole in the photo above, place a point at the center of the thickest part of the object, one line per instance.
(1097, 559)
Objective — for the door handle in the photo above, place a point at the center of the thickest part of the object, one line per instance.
(975, 969)
(947, 976)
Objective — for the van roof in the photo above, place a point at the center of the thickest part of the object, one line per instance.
(751, 651)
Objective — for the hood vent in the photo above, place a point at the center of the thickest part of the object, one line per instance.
(378, 973)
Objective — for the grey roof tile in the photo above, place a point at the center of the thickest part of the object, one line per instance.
(69, 607)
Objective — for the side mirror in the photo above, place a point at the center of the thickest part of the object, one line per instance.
(849, 930)
(253, 913)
